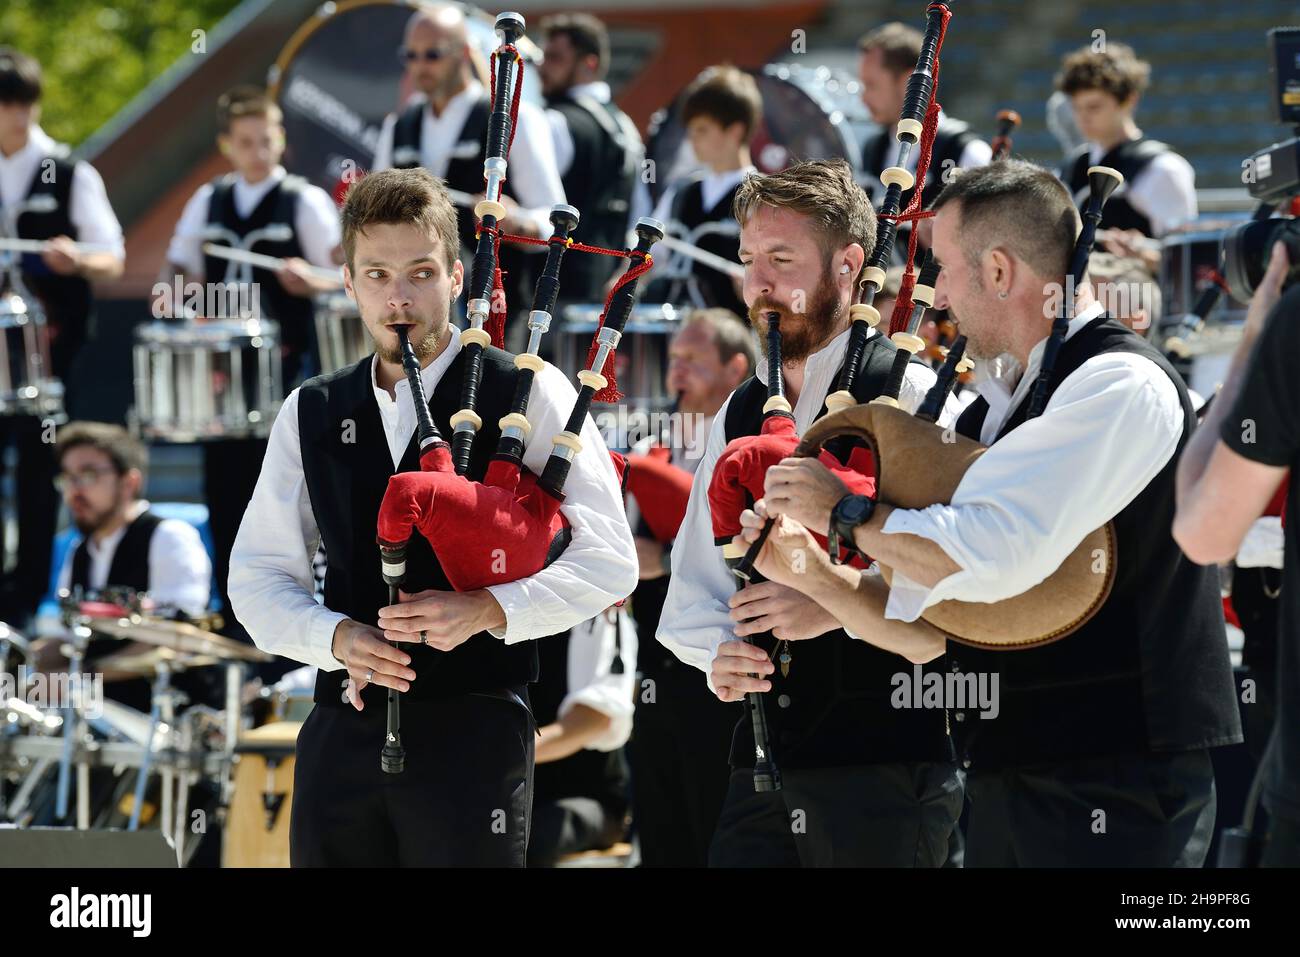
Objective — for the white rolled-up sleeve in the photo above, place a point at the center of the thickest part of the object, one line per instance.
(696, 618)
(532, 172)
(594, 646)
(91, 212)
(271, 583)
(383, 158)
(180, 572)
(1029, 501)
(599, 566)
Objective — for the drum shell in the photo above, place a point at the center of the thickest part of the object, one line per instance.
(27, 383)
(248, 840)
(206, 380)
(341, 336)
(919, 464)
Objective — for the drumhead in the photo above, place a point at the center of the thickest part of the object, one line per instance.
(216, 334)
(808, 113)
(339, 76)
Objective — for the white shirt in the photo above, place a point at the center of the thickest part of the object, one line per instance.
(696, 617)
(560, 133)
(1164, 192)
(591, 682)
(1027, 503)
(316, 223)
(271, 585)
(713, 186)
(88, 204)
(532, 174)
(180, 572)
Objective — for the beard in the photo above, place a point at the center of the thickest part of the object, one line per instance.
(801, 333)
(90, 522)
(424, 338)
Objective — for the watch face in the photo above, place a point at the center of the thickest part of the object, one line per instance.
(855, 510)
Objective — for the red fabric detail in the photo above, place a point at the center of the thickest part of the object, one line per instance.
(1230, 613)
(661, 490)
(610, 393)
(740, 471)
(437, 458)
(482, 534)
(1277, 506)
(621, 466)
(913, 212)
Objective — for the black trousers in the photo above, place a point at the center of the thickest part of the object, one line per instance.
(37, 509)
(1138, 810)
(571, 825)
(874, 815)
(463, 800)
(678, 758)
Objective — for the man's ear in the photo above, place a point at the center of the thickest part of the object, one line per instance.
(347, 282)
(457, 278)
(736, 370)
(134, 483)
(998, 269)
(853, 256)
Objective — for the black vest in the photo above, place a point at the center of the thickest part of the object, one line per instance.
(1150, 671)
(130, 565)
(295, 314)
(600, 775)
(599, 182)
(881, 149)
(464, 166)
(688, 209)
(346, 481)
(67, 300)
(834, 709)
(1129, 158)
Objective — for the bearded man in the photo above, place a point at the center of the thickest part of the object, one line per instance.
(864, 783)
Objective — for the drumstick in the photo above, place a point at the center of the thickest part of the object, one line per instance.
(40, 245)
(267, 262)
(703, 256)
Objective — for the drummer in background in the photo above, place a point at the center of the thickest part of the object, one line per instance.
(1159, 191)
(258, 193)
(598, 148)
(123, 544)
(886, 58)
(681, 731)
(32, 164)
(445, 131)
(721, 112)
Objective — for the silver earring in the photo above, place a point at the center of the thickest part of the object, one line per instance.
(1003, 294)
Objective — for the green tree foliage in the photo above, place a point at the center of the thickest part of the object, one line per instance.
(97, 56)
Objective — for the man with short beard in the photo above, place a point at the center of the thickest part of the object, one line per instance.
(871, 785)
(465, 658)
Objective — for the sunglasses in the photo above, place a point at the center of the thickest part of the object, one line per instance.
(406, 55)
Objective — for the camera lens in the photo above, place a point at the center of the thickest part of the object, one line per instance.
(1246, 251)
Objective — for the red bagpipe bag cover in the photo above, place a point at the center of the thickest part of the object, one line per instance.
(483, 533)
(740, 470)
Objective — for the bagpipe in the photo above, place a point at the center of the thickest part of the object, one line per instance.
(738, 476)
(470, 524)
(917, 464)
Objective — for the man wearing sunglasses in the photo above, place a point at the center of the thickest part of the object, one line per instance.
(444, 130)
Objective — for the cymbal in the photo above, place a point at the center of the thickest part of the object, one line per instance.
(145, 664)
(176, 635)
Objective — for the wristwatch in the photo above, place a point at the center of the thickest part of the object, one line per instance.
(848, 513)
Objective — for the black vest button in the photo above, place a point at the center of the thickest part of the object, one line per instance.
(783, 701)
(965, 762)
(959, 715)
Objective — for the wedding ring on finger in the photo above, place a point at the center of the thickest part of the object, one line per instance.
(424, 637)
(370, 675)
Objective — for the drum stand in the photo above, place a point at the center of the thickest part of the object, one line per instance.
(73, 730)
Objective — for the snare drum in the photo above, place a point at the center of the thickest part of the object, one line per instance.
(641, 362)
(206, 380)
(340, 334)
(27, 386)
